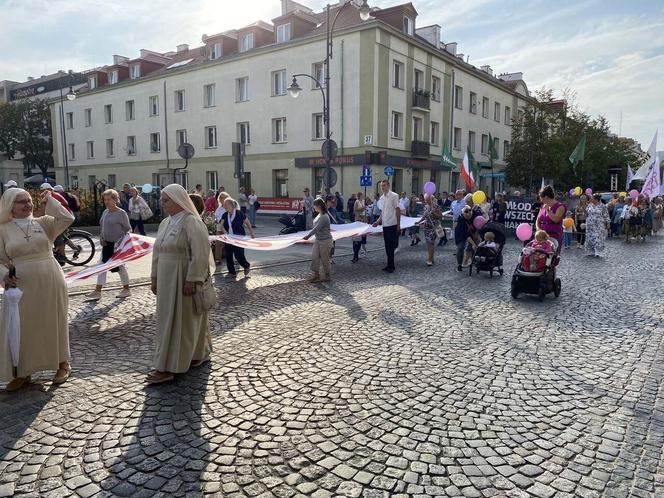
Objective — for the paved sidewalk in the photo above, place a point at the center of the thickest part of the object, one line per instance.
(426, 382)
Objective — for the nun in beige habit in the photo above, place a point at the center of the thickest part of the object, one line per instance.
(27, 244)
(180, 259)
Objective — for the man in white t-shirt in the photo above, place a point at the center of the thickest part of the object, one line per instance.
(390, 219)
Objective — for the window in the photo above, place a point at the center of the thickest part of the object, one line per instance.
(212, 180)
(112, 181)
(506, 148)
(484, 145)
(208, 95)
(90, 149)
(496, 146)
(246, 42)
(417, 128)
(435, 89)
(519, 114)
(69, 119)
(397, 125)
(456, 139)
(318, 127)
(435, 130)
(473, 103)
(71, 153)
(280, 182)
(92, 82)
(154, 105)
(135, 71)
(485, 107)
(210, 137)
(131, 145)
(408, 26)
(458, 97)
(318, 72)
(110, 149)
(113, 77)
(496, 112)
(279, 130)
(155, 142)
(129, 110)
(242, 89)
(508, 115)
(419, 79)
(179, 100)
(180, 137)
(397, 76)
(283, 32)
(108, 113)
(471, 141)
(215, 51)
(182, 178)
(243, 134)
(279, 82)
(87, 117)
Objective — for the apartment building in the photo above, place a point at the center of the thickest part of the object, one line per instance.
(395, 89)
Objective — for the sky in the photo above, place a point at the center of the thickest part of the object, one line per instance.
(608, 53)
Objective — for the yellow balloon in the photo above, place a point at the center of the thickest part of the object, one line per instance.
(479, 197)
(622, 194)
(578, 191)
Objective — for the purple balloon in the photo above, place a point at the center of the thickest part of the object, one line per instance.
(430, 188)
(479, 222)
(524, 232)
(571, 192)
(589, 191)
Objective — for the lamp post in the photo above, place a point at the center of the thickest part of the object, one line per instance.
(294, 89)
(70, 96)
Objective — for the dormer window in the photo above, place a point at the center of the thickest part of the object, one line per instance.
(408, 26)
(246, 42)
(283, 32)
(215, 51)
(113, 77)
(135, 71)
(92, 82)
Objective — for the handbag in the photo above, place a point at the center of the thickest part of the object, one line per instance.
(257, 205)
(440, 231)
(146, 212)
(205, 295)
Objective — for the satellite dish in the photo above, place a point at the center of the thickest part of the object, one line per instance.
(146, 189)
(186, 151)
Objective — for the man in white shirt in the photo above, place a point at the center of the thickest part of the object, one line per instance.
(390, 219)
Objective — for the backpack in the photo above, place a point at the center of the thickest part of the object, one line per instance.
(73, 202)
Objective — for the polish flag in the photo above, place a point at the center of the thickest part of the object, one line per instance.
(466, 173)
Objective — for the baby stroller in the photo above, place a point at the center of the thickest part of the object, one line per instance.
(541, 282)
(292, 224)
(488, 258)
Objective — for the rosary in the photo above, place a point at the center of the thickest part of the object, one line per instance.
(26, 233)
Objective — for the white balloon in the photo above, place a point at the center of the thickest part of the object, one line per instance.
(146, 189)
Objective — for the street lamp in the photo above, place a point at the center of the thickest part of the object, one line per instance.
(294, 89)
(70, 97)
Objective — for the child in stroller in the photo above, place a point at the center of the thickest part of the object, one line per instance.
(536, 271)
(489, 253)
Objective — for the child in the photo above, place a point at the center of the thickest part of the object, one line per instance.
(536, 253)
(489, 241)
(569, 227)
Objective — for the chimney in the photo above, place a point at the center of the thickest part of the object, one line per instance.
(182, 48)
(120, 59)
(430, 34)
(487, 69)
(31, 78)
(459, 56)
(451, 47)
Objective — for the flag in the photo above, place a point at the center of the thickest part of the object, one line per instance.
(630, 177)
(466, 172)
(447, 160)
(643, 171)
(577, 154)
(652, 185)
(543, 185)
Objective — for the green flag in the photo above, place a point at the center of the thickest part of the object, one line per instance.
(577, 154)
(472, 164)
(447, 160)
(493, 154)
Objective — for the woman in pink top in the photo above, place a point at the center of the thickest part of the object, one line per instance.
(551, 214)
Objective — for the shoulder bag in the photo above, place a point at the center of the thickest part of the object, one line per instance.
(146, 212)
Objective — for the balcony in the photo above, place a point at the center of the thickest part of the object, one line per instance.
(419, 148)
(421, 100)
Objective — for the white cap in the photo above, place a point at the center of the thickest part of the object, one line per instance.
(11, 183)
(45, 186)
(58, 188)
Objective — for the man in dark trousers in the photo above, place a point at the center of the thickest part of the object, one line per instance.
(390, 219)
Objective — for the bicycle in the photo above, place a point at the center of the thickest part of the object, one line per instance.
(79, 248)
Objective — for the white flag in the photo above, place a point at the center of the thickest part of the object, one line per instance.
(630, 177)
(652, 185)
(643, 171)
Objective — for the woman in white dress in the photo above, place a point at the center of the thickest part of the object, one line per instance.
(26, 243)
(180, 260)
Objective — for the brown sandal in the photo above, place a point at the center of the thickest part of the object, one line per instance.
(62, 374)
(155, 377)
(17, 383)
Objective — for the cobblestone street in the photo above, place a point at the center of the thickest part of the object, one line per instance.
(425, 382)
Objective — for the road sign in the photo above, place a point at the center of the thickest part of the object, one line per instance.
(330, 178)
(366, 171)
(329, 149)
(389, 171)
(365, 181)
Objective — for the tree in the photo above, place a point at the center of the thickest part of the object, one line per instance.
(546, 134)
(35, 140)
(9, 120)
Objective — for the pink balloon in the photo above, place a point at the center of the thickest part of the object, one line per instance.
(479, 222)
(524, 231)
(430, 188)
(589, 191)
(633, 193)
